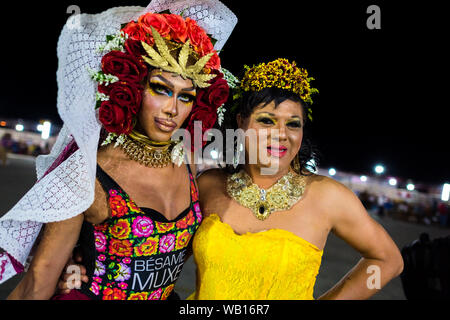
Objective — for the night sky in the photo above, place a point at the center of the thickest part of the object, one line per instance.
(382, 92)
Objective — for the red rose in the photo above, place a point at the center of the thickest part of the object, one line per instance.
(157, 21)
(115, 118)
(134, 47)
(124, 66)
(127, 95)
(136, 32)
(177, 26)
(195, 33)
(206, 46)
(215, 95)
(214, 62)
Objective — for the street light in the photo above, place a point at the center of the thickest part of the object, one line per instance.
(445, 192)
(331, 171)
(19, 127)
(392, 181)
(379, 169)
(410, 186)
(363, 178)
(46, 126)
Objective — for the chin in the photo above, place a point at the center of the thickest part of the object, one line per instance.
(157, 136)
(273, 166)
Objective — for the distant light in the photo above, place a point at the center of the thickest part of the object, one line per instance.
(379, 169)
(19, 127)
(392, 181)
(39, 127)
(3, 123)
(363, 178)
(445, 192)
(46, 130)
(214, 154)
(410, 186)
(332, 171)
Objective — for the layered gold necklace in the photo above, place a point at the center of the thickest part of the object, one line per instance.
(147, 152)
(286, 192)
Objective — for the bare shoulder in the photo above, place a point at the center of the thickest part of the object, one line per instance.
(340, 203)
(323, 182)
(328, 190)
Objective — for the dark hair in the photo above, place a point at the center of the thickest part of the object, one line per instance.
(308, 156)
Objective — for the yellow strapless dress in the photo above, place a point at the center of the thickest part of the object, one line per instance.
(269, 265)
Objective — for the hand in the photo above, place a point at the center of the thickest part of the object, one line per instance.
(70, 279)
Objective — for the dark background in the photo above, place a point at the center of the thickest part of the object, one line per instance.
(382, 92)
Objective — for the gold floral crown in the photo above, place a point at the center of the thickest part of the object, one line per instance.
(282, 74)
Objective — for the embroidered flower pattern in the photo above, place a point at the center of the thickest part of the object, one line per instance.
(164, 227)
(132, 235)
(147, 248)
(142, 227)
(167, 243)
(183, 238)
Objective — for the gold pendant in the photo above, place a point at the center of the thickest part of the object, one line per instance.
(286, 192)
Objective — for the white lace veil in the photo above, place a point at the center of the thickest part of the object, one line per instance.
(67, 190)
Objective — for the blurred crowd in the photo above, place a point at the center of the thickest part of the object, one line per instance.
(430, 212)
(8, 144)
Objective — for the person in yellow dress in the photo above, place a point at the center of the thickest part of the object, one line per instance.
(266, 222)
(263, 234)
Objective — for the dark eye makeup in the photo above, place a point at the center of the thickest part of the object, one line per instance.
(265, 120)
(269, 121)
(160, 88)
(294, 124)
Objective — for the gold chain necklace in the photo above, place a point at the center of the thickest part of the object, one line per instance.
(145, 152)
(286, 192)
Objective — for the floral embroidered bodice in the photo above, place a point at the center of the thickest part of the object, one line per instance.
(136, 253)
(268, 265)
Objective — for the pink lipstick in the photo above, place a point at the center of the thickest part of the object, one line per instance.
(277, 152)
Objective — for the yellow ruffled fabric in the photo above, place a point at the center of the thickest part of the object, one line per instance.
(270, 265)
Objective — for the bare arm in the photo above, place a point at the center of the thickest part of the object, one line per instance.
(381, 260)
(55, 248)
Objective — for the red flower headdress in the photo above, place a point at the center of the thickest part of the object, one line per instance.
(144, 43)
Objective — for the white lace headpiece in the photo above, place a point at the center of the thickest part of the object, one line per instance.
(66, 188)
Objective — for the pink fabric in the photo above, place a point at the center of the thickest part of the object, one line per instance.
(16, 264)
(67, 152)
(72, 295)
